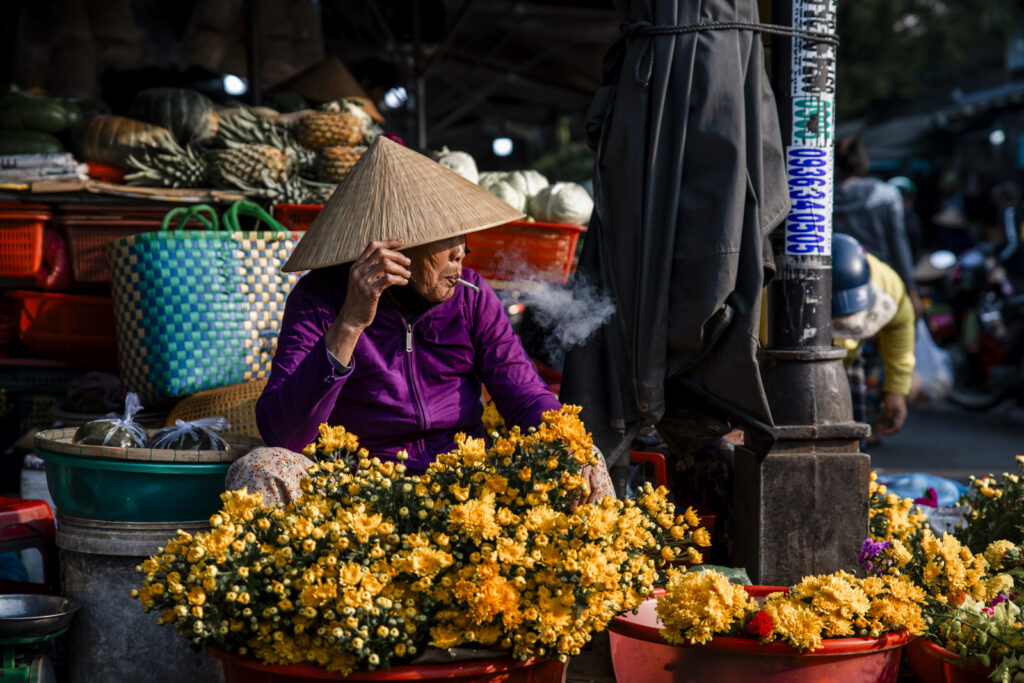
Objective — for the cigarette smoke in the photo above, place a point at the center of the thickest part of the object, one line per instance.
(570, 317)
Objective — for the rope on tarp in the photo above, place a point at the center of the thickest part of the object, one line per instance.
(643, 28)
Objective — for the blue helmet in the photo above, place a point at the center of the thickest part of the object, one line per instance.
(851, 277)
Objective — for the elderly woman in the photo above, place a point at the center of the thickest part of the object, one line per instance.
(387, 341)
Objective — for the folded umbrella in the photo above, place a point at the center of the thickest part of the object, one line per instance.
(689, 183)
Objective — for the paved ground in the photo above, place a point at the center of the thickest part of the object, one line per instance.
(954, 443)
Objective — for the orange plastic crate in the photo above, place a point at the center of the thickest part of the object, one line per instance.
(21, 242)
(522, 250)
(297, 216)
(88, 239)
(68, 327)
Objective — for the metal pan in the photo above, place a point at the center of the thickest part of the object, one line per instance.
(34, 616)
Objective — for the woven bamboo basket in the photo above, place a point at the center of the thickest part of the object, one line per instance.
(61, 441)
(236, 402)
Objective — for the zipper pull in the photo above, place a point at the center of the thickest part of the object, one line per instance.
(408, 338)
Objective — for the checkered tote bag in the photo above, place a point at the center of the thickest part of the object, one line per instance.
(198, 309)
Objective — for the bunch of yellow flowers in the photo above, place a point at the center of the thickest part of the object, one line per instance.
(489, 547)
(892, 517)
(947, 570)
(699, 605)
(996, 509)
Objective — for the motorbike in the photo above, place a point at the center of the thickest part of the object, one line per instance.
(988, 358)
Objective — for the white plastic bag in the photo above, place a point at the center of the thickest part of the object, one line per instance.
(114, 429)
(933, 368)
(198, 435)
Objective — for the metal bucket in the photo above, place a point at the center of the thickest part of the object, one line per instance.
(112, 639)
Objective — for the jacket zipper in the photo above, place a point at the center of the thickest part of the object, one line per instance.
(411, 369)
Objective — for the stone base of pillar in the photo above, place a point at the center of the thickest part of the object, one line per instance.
(803, 510)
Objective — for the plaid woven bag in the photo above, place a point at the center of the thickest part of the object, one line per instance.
(198, 309)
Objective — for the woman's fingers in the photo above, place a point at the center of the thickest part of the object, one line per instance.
(382, 250)
(378, 245)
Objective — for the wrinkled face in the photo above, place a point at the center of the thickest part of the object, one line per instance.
(435, 267)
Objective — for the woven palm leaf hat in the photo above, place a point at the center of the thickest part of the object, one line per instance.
(394, 192)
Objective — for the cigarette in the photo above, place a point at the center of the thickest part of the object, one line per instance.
(467, 284)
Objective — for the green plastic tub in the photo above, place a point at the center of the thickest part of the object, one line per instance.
(132, 491)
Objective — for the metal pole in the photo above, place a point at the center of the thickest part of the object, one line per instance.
(252, 42)
(804, 510)
(804, 83)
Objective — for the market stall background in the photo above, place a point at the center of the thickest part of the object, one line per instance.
(521, 73)
(158, 95)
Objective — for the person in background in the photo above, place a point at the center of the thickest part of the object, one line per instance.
(871, 211)
(1007, 196)
(948, 225)
(869, 302)
(908, 191)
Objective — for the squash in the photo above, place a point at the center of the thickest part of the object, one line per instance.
(28, 142)
(188, 114)
(81, 109)
(26, 111)
(110, 139)
(566, 203)
(504, 190)
(528, 182)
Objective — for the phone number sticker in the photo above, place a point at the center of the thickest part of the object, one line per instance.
(809, 223)
(813, 63)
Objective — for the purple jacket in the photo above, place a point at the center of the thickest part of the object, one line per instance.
(410, 386)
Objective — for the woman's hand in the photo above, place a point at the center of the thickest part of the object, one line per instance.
(598, 480)
(380, 266)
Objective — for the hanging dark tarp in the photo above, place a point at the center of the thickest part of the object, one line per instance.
(689, 182)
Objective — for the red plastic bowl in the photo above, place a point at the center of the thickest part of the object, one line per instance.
(504, 669)
(935, 664)
(640, 655)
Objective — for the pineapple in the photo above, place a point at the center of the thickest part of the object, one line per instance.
(292, 190)
(244, 126)
(171, 166)
(334, 163)
(253, 164)
(321, 129)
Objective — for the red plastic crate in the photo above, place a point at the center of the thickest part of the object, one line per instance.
(68, 327)
(21, 242)
(88, 239)
(522, 250)
(297, 216)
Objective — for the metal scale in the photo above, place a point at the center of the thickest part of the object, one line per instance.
(25, 622)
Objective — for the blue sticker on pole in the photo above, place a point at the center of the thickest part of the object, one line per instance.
(809, 223)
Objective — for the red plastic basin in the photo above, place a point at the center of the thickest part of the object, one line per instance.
(503, 669)
(935, 664)
(640, 655)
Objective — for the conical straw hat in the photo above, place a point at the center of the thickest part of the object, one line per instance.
(394, 192)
